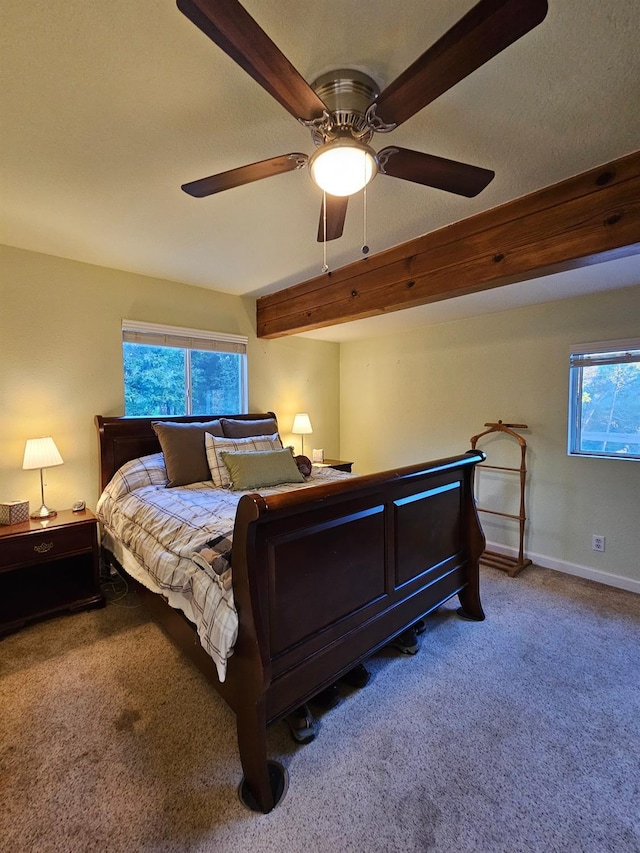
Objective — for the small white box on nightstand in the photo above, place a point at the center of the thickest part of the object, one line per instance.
(13, 512)
(317, 455)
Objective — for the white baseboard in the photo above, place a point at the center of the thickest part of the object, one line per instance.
(545, 562)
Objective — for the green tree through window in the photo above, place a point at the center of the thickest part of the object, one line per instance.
(154, 380)
(605, 402)
(169, 371)
(215, 382)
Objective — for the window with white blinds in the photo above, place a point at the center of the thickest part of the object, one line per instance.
(152, 334)
(169, 370)
(604, 399)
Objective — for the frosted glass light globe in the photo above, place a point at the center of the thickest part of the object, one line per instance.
(343, 167)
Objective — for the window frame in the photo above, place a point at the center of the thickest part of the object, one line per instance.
(200, 340)
(594, 354)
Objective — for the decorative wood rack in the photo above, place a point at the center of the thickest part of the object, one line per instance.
(512, 565)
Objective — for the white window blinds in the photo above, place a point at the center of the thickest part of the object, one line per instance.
(610, 352)
(153, 334)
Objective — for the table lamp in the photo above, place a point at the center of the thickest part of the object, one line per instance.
(41, 453)
(301, 426)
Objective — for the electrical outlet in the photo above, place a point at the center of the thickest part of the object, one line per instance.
(597, 543)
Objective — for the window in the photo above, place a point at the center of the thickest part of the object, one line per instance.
(604, 400)
(174, 371)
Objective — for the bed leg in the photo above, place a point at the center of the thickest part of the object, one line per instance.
(470, 605)
(264, 783)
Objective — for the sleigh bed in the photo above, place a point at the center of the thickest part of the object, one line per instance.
(322, 577)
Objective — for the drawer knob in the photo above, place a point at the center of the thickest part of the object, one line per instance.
(42, 549)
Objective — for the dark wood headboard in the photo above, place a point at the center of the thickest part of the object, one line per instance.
(123, 438)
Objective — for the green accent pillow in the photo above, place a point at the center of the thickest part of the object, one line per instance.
(261, 468)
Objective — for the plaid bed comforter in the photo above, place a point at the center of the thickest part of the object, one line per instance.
(181, 537)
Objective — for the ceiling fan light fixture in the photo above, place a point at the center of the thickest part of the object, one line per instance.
(343, 167)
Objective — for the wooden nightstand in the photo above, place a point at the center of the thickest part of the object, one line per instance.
(47, 567)
(338, 464)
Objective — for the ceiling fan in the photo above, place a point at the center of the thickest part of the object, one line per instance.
(345, 108)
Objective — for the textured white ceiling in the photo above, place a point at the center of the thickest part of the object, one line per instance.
(107, 108)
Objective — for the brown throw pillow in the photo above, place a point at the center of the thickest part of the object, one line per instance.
(185, 457)
(304, 465)
(242, 429)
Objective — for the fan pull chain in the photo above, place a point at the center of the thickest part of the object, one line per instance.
(325, 266)
(365, 248)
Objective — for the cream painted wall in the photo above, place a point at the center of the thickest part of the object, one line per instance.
(426, 391)
(61, 364)
(422, 395)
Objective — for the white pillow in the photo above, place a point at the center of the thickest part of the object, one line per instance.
(214, 446)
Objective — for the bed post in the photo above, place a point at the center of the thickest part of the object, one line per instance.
(469, 597)
(264, 782)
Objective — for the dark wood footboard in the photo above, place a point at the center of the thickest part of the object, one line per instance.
(322, 578)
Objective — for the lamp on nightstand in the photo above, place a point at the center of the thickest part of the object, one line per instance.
(41, 453)
(301, 426)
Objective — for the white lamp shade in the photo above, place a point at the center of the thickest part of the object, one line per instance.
(41, 453)
(301, 424)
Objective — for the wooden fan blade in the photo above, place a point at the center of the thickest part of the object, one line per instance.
(233, 29)
(432, 171)
(487, 29)
(245, 175)
(336, 212)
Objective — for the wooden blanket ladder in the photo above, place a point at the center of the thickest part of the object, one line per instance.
(512, 565)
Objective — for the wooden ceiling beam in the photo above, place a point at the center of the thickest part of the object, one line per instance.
(590, 217)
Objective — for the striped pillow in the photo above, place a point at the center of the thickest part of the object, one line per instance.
(214, 446)
(136, 474)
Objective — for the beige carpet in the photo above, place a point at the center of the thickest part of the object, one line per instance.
(520, 733)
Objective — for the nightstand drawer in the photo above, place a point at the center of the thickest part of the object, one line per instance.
(46, 545)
